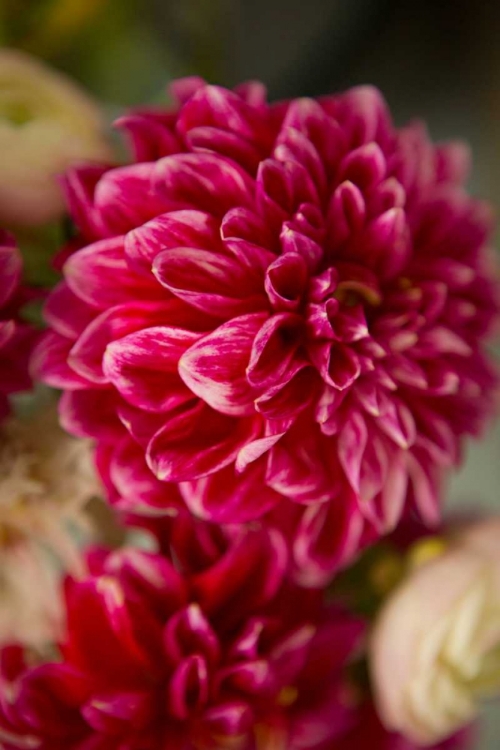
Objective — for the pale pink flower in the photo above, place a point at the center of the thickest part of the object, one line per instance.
(47, 124)
(46, 477)
(435, 645)
(278, 301)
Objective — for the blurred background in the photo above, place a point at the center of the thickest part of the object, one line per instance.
(434, 59)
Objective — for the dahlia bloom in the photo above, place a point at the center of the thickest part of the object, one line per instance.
(47, 123)
(278, 303)
(434, 649)
(16, 337)
(204, 648)
(46, 477)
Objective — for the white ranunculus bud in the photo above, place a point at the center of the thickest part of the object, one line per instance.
(435, 648)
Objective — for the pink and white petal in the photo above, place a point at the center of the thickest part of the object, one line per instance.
(300, 468)
(91, 413)
(274, 349)
(143, 367)
(124, 198)
(87, 354)
(215, 283)
(184, 228)
(289, 398)
(66, 312)
(229, 496)
(137, 489)
(352, 441)
(286, 282)
(197, 442)
(214, 368)
(50, 363)
(206, 181)
(328, 536)
(99, 275)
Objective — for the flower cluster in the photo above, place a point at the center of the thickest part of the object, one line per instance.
(272, 335)
(278, 303)
(204, 647)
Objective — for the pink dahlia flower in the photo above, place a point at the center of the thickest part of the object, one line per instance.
(278, 301)
(215, 651)
(16, 337)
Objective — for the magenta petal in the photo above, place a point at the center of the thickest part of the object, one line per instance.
(397, 421)
(394, 492)
(245, 224)
(49, 362)
(274, 349)
(339, 365)
(197, 442)
(286, 281)
(246, 577)
(187, 228)
(232, 718)
(352, 442)
(215, 283)
(229, 496)
(66, 313)
(10, 271)
(143, 367)
(214, 368)
(90, 413)
(149, 136)
(251, 677)
(299, 469)
(387, 243)
(86, 356)
(292, 395)
(327, 537)
(188, 689)
(346, 213)
(365, 166)
(188, 632)
(123, 198)
(205, 181)
(230, 145)
(114, 713)
(79, 185)
(99, 275)
(131, 483)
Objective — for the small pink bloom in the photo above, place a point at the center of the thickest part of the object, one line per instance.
(17, 338)
(434, 646)
(202, 645)
(298, 292)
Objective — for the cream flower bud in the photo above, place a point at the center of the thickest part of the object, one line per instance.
(46, 477)
(46, 124)
(435, 648)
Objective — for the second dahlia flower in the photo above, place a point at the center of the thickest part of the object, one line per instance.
(205, 647)
(278, 301)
